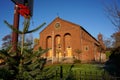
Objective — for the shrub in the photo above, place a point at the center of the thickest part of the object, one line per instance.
(113, 64)
(108, 53)
(77, 61)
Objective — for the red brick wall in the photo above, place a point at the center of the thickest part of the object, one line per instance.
(71, 35)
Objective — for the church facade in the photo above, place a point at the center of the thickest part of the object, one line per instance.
(68, 41)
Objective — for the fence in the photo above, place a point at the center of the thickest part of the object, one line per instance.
(75, 75)
(83, 75)
(60, 74)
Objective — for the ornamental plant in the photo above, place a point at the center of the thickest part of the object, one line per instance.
(28, 65)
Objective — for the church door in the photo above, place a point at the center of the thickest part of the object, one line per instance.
(49, 45)
(68, 45)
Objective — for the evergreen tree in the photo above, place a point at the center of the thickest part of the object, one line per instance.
(28, 65)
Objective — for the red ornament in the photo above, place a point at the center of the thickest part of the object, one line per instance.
(24, 11)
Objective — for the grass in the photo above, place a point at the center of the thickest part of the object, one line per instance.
(87, 67)
(77, 70)
(82, 67)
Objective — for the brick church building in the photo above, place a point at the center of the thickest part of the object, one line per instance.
(68, 41)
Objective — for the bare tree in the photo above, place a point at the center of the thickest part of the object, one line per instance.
(116, 37)
(113, 13)
(6, 41)
(108, 42)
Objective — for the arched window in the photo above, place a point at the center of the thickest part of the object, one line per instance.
(67, 40)
(58, 46)
(49, 45)
(67, 44)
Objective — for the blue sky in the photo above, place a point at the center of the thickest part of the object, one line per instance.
(87, 13)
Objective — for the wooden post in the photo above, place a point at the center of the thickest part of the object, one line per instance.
(16, 26)
(61, 72)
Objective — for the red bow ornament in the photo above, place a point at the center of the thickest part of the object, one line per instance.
(24, 11)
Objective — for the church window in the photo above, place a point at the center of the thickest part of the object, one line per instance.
(86, 48)
(57, 25)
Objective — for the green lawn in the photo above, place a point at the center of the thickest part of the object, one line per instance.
(77, 71)
(80, 67)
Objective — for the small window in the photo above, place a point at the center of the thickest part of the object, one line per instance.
(57, 25)
(86, 48)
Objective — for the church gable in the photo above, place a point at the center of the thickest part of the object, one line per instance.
(59, 25)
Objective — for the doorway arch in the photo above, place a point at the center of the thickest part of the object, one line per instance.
(58, 51)
(49, 45)
(67, 45)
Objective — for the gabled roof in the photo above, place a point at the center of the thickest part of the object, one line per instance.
(72, 24)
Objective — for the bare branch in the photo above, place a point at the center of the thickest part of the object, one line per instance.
(113, 14)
